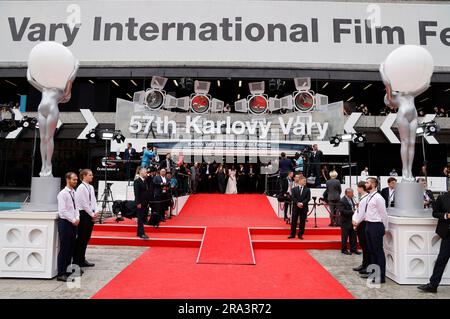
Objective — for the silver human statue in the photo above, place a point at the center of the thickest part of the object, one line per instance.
(407, 121)
(48, 115)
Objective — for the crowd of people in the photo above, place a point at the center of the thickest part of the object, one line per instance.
(205, 177)
(362, 218)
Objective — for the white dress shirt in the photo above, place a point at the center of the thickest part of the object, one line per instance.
(67, 208)
(391, 196)
(372, 208)
(85, 199)
(364, 173)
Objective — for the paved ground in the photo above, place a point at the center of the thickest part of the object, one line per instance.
(109, 261)
(340, 266)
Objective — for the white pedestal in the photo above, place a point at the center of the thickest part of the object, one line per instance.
(411, 246)
(28, 244)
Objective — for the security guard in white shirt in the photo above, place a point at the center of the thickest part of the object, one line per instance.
(376, 218)
(68, 221)
(87, 206)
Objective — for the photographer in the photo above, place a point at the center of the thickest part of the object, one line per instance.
(147, 155)
(299, 161)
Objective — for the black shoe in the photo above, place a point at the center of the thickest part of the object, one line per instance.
(291, 237)
(356, 252)
(363, 271)
(346, 252)
(359, 268)
(428, 288)
(87, 264)
(365, 275)
(331, 225)
(64, 278)
(300, 237)
(144, 236)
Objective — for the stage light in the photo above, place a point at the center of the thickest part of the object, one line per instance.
(91, 81)
(335, 141)
(257, 102)
(119, 137)
(346, 86)
(359, 138)
(92, 136)
(304, 100)
(134, 83)
(115, 83)
(155, 96)
(28, 122)
(424, 99)
(350, 98)
(240, 83)
(129, 95)
(325, 85)
(175, 82)
(201, 100)
(428, 128)
(367, 86)
(218, 83)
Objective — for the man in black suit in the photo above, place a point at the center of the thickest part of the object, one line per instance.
(428, 197)
(346, 210)
(129, 155)
(441, 212)
(141, 197)
(315, 160)
(162, 193)
(301, 195)
(285, 166)
(206, 176)
(388, 193)
(168, 164)
(242, 179)
(285, 193)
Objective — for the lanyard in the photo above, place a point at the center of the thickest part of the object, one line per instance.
(367, 204)
(73, 199)
(89, 191)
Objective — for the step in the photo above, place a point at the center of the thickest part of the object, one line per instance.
(160, 229)
(286, 231)
(152, 242)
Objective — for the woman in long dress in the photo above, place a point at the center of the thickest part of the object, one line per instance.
(221, 178)
(231, 186)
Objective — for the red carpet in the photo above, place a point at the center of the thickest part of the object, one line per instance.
(241, 210)
(226, 267)
(226, 245)
(173, 273)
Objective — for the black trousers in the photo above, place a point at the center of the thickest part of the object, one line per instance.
(361, 232)
(84, 235)
(142, 215)
(296, 213)
(348, 234)
(333, 211)
(316, 173)
(287, 205)
(441, 262)
(374, 234)
(67, 235)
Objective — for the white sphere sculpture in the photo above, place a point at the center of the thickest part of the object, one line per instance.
(408, 68)
(51, 64)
